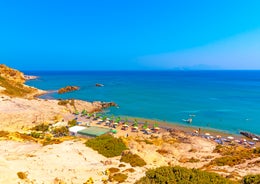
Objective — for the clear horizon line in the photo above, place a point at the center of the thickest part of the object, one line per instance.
(136, 70)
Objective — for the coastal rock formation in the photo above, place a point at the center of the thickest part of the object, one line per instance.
(108, 104)
(12, 84)
(19, 108)
(68, 89)
(19, 113)
(11, 74)
(250, 135)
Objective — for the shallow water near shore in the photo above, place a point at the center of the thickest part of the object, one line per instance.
(224, 100)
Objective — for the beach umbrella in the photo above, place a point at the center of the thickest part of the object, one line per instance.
(255, 139)
(157, 128)
(114, 131)
(135, 127)
(84, 112)
(117, 119)
(125, 125)
(155, 125)
(218, 136)
(147, 129)
(112, 117)
(145, 125)
(104, 118)
(135, 124)
(208, 134)
(126, 120)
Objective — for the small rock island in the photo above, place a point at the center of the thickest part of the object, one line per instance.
(68, 89)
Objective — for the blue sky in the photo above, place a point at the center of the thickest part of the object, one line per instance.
(133, 35)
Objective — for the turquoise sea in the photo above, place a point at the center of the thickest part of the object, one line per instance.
(224, 100)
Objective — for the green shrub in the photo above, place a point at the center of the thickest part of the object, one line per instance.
(35, 134)
(174, 175)
(107, 145)
(133, 159)
(72, 122)
(234, 155)
(119, 177)
(228, 160)
(42, 127)
(251, 179)
(256, 150)
(61, 131)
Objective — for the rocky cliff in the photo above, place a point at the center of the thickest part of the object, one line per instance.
(12, 84)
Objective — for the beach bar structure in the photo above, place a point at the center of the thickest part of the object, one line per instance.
(74, 130)
(93, 131)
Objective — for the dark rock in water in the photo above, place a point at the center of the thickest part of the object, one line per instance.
(108, 104)
(68, 89)
(99, 85)
(250, 135)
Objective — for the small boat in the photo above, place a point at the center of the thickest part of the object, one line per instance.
(99, 85)
(187, 120)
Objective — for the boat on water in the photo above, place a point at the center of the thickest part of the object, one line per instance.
(187, 120)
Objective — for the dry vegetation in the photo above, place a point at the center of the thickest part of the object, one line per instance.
(233, 155)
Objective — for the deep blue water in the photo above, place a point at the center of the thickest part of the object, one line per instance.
(226, 100)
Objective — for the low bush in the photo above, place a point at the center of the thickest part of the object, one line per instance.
(41, 127)
(131, 170)
(107, 145)
(35, 135)
(256, 150)
(193, 160)
(72, 122)
(133, 159)
(118, 177)
(251, 179)
(234, 155)
(162, 151)
(178, 174)
(60, 131)
(49, 141)
(22, 175)
(113, 170)
(3, 133)
(148, 141)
